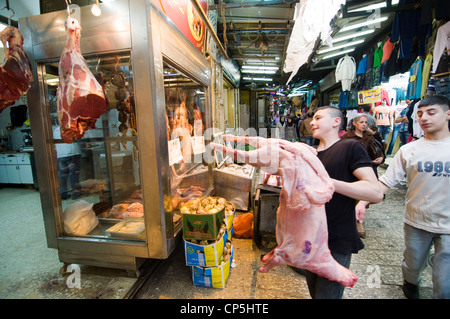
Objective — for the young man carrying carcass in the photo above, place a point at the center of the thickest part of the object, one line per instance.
(350, 168)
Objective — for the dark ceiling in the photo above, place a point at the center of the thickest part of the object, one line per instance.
(258, 32)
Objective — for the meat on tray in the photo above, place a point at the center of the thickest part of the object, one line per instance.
(301, 230)
(80, 97)
(15, 72)
(125, 210)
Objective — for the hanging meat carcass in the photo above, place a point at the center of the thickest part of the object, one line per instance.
(81, 100)
(301, 230)
(15, 72)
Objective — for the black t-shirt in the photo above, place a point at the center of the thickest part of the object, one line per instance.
(340, 161)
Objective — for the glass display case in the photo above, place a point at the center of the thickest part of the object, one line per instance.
(145, 156)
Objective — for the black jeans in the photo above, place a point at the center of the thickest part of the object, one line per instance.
(321, 287)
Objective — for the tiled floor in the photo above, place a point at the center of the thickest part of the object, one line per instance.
(28, 269)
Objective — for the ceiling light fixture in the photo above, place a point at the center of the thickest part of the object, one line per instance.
(95, 9)
(337, 47)
(260, 67)
(363, 24)
(374, 6)
(259, 71)
(338, 53)
(257, 79)
(353, 35)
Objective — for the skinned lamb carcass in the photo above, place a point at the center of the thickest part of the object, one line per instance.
(15, 71)
(80, 97)
(301, 230)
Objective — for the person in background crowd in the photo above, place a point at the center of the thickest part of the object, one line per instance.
(306, 131)
(403, 132)
(426, 164)
(350, 169)
(281, 127)
(371, 120)
(357, 130)
(276, 118)
(290, 129)
(297, 123)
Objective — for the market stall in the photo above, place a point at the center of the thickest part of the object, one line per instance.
(115, 202)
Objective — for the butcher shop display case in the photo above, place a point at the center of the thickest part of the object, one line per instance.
(110, 196)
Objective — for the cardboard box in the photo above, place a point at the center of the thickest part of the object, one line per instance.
(229, 219)
(205, 255)
(214, 277)
(202, 227)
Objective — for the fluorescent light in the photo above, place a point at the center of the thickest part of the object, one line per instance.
(258, 79)
(363, 24)
(258, 67)
(298, 93)
(337, 47)
(259, 71)
(374, 6)
(353, 35)
(338, 53)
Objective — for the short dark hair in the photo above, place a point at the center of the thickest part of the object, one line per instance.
(441, 100)
(334, 111)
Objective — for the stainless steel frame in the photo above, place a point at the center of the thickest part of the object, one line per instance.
(136, 26)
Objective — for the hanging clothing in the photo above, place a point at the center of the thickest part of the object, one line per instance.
(442, 9)
(415, 80)
(387, 50)
(378, 55)
(426, 73)
(384, 97)
(400, 94)
(346, 71)
(369, 72)
(360, 77)
(343, 98)
(362, 66)
(406, 26)
(417, 130)
(442, 42)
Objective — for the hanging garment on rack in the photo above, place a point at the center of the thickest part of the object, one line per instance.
(378, 55)
(360, 77)
(442, 9)
(417, 131)
(431, 89)
(442, 85)
(400, 94)
(426, 73)
(362, 66)
(388, 46)
(343, 98)
(415, 80)
(369, 72)
(384, 97)
(442, 42)
(406, 26)
(346, 71)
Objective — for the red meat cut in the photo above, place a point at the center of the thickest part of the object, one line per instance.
(80, 97)
(301, 230)
(15, 72)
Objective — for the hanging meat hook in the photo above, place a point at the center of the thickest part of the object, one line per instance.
(68, 3)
